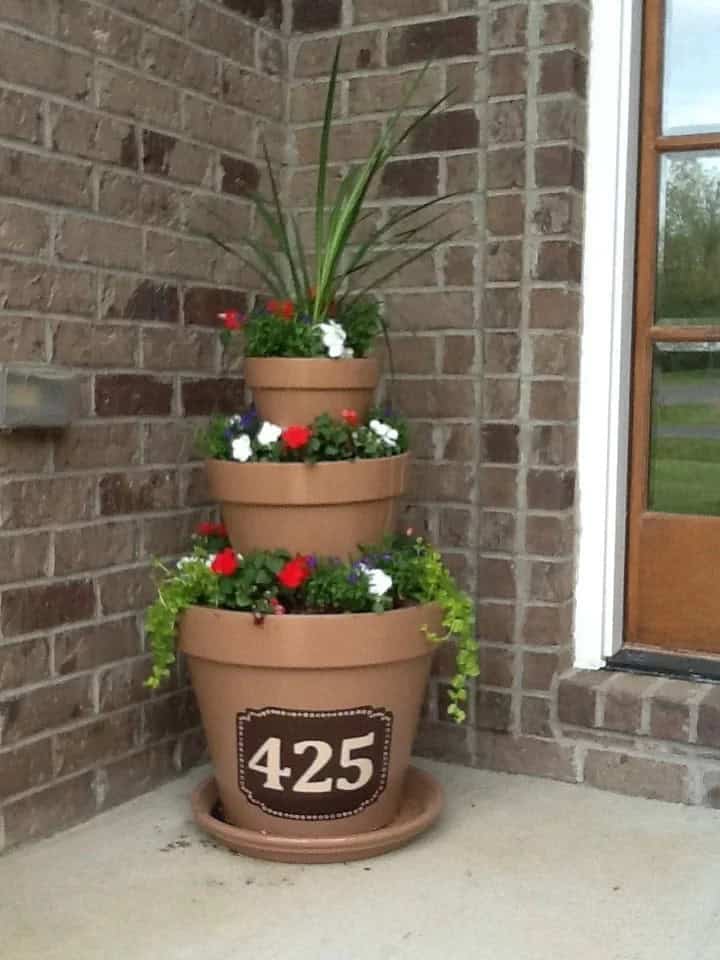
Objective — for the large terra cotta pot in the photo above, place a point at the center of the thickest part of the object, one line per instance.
(310, 719)
(323, 508)
(296, 391)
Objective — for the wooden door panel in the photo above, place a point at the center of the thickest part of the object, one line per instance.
(679, 583)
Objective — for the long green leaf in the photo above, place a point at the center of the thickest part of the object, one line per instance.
(323, 164)
(378, 281)
(304, 302)
(271, 284)
(280, 217)
(392, 222)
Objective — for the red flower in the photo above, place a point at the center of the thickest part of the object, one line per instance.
(282, 308)
(232, 319)
(211, 530)
(295, 573)
(225, 562)
(350, 417)
(296, 437)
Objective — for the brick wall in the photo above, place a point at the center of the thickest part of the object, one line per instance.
(484, 330)
(125, 134)
(128, 129)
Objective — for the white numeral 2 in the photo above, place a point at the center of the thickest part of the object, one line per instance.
(271, 751)
(323, 755)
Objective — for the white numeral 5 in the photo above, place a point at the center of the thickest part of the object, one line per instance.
(363, 765)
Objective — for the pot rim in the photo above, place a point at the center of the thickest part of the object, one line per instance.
(311, 373)
(308, 484)
(309, 641)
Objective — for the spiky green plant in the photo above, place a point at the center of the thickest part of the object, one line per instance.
(285, 268)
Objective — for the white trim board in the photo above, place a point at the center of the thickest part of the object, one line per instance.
(606, 340)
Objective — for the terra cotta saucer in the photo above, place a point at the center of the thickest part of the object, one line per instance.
(421, 805)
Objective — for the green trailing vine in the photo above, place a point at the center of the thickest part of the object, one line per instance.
(398, 572)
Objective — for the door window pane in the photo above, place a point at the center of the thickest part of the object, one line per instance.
(691, 99)
(688, 276)
(685, 446)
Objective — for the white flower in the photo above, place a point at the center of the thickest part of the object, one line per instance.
(348, 353)
(333, 338)
(268, 433)
(236, 420)
(379, 581)
(242, 448)
(185, 561)
(389, 435)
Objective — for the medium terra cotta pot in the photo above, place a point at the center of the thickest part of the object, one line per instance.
(310, 719)
(290, 391)
(323, 508)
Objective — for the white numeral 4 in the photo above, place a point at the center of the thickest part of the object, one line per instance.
(272, 770)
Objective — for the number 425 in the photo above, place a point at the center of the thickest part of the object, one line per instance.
(267, 760)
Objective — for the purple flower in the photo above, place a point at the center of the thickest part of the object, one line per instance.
(311, 560)
(353, 577)
(305, 318)
(249, 419)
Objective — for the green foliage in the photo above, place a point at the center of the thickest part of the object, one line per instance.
(416, 575)
(267, 335)
(342, 260)
(331, 440)
(362, 321)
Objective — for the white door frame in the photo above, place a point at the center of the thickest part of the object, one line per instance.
(606, 339)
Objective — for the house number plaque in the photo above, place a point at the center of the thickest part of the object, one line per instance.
(313, 764)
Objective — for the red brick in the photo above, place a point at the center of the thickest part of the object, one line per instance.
(493, 710)
(506, 168)
(452, 130)
(216, 395)
(88, 647)
(559, 166)
(27, 609)
(417, 177)
(504, 260)
(497, 531)
(46, 811)
(89, 548)
(496, 578)
(538, 670)
(97, 742)
(240, 177)
(138, 773)
(126, 590)
(670, 711)
(25, 768)
(636, 776)
(497, 666)
(526, 755)
(203, 304)
(432, 40)
(508, 74)
(554, 445)
(311, 15)
(535, 717)
(41, 501)
(508, 27)
(498, 487)
(499, 443)
(45, 707)
(546, 626)
(576, 699)
(128, 395)
(709, 719)
(137, 492)
(23, 557)
(563, 71)
(623, 702)
(24, 663)
(550, 489)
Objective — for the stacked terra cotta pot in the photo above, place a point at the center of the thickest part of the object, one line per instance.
(310, 719)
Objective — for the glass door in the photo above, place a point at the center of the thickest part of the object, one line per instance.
(673, 577)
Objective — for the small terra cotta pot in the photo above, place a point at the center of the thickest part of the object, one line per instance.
(323, 508)
(296, 391)
(310, 719)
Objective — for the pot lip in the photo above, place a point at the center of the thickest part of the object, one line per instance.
(313, 618)
(328, 465)
(311, 373)
(308, 641)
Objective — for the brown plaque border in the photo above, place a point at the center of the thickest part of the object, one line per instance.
(375, 713)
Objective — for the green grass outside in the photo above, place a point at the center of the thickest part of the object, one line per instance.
(685, 476)
(688, 415)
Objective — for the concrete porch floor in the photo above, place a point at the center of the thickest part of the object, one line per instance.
(517, 869)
